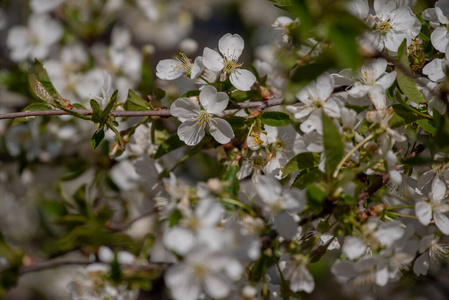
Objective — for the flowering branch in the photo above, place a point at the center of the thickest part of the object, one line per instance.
(165, 113)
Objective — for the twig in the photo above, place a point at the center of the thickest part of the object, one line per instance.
(165, 113)
(126, 225)
(46, 265)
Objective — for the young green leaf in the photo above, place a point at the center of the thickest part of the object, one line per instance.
(301, 161)
(40, 83)
(97, 137)
(170, 144)
(275, 118)
(135, 103)
(31, 107)
(333, 145)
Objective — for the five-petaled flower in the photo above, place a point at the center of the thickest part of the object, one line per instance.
(169, 69)
(230, 47)
(196, 120)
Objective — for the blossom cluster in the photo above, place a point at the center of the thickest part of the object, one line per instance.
(252, 176)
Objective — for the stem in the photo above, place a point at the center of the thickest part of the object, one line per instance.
(402, 215)
(400, 207)
(236, 203)
(340, 164)
(165, 113)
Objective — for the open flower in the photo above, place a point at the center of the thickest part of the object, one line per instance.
(196, 120)
(169, 69)
(230, 47)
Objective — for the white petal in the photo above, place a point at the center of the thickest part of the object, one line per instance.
(421, 264)
(382, 277)
(183, 283)
(269, 189)
(124, 257)
(325, 86)
(402, 18)
(185, 109)
(387, 80)
(442, 222)
(242, 79)
(440, 38)
(214, 102)
(359, 91)
(285, 225)
(353, 247)
(179, 240)
(434, 70)
(394, 40)
(212, 60)
(208, 212)
(197, 68)
(221, 130)
(105, 254)
(216, 285)
(231, 46)
(438, 190)
(168, 69)
(389, 232)
(383, 8)
(190, 132)
(423, 211)
(378, 97)
(358, 8)
(293, 200)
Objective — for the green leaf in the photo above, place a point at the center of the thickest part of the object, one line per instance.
(240, 96)
(398, 98)
(135, 103)
(427, 126)
(315, 197)
(402, 116)
(307, 177)
(174, 218)
(404, 73)
(193, 93)
(159, 93)
(96, 111)
(308, 72)
(97, 138)
(170, 144)
(275, 118)
(301, 161)
(32, 107)
(107, 110)
(41, 86)
(333, 145)
(230, 181)
(237, 122)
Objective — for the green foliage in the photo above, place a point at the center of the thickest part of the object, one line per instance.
(170, 144)
(301, 161)
(135, 103)
(275, 118)
(230, 180)
(307, 177)
(333, 145)
(41, 86)
(241, 96)
(31, 107)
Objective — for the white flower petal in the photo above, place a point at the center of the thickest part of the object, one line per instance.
(217, 285)
(231, 46)
(221, 130)
(442, 222)
(212, 60)
(421, 265)
(440, 38)
(434, 70)
(214, 102)
(423, 211)
(167, 69)
(387, 80)
(190, 132)
(183, 283)
(285, 225)
(269, 189)
(353, 247)
(242, 79)
(105, 254)
(185, 109)
(208, 212)
(438, 190)
(179, 239)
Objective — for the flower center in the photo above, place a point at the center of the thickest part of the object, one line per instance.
(183, 63)
(383, 27)
(204, 119)
(230, 62)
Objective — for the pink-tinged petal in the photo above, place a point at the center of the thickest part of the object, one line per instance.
(231, 46)
(421, 265)
(221, 130)
(242, 79)
(214, 102)
(423, 211)
(212, 60)
(438, 190)
(190, 132)
(442, 222)
(168, 69)
(440, 38)
(185, 109)
(217, 285)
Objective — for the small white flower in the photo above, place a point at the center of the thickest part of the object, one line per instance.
(295, 270)
(436, 207)
(196, 120)
(230, 47)
(280, 27)
(256, 140)
(169, 69)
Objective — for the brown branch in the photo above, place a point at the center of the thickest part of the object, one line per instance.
(126, 225)
(165, 113)
(47, 265)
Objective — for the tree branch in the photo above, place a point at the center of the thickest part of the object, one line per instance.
(46, 265)
(165, 113)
